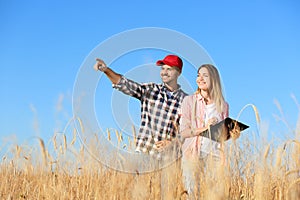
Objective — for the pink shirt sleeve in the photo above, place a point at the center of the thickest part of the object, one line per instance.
(226, 112)
(185, 113)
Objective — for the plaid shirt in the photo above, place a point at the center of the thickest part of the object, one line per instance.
(159, 111)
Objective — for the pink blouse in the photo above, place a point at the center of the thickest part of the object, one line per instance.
(192, 117)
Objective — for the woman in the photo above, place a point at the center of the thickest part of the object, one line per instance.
(198, 111)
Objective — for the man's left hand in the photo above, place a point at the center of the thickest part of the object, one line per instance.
(162, 144)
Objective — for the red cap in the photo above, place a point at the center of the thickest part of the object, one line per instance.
(172, 61)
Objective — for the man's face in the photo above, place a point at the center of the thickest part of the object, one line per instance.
(169, 74)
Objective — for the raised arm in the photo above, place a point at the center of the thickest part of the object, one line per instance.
(113, 76)
(121, 83)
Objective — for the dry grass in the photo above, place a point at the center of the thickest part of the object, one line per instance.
(65, 170)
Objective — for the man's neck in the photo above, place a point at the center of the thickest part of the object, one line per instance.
(172, 87)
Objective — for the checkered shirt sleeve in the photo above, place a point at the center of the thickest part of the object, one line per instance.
(130, 87)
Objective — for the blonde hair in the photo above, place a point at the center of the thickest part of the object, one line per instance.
(215, 90)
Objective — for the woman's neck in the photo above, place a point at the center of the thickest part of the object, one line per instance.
(205, 94)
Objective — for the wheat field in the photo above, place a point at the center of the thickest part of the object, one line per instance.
(63, 169)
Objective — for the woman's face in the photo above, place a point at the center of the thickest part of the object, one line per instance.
(203, 79)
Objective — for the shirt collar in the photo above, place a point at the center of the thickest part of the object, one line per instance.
(166, 89)
(199, 97)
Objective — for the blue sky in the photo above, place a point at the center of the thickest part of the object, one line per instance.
(254, 44)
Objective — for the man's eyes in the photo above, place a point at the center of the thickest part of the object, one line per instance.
(168, 69)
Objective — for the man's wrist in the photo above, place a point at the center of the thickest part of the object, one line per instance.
(105, 69)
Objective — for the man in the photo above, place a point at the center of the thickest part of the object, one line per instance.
(159, 102)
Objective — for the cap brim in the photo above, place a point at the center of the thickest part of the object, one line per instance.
(160, 62)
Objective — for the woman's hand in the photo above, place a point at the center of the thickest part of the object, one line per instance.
(212, 121)
(235, 132)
